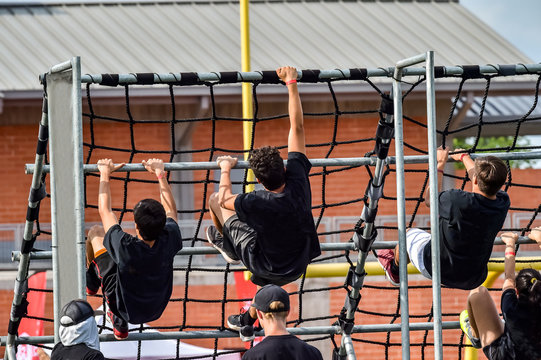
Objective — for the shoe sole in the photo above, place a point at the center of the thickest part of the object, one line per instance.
(224, 254)
(246, 339)
(232, 327)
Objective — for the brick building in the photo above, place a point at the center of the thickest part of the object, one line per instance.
(21, 111)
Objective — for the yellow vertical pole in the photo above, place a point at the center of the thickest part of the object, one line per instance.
(247, 106)
(470, 353)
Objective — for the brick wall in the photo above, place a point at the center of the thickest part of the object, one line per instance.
(18, 147)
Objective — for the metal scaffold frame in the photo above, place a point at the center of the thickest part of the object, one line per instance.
(68, 174)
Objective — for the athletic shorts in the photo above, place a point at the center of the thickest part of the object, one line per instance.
(105, 269)
(500, 349)
(416, 240)
(241, 239)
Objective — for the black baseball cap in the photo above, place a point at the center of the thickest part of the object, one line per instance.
(269, 293)
(77, 311)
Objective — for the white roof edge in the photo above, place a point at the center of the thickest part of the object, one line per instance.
(90, 2)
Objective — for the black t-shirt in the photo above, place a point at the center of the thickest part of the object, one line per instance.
(286, 233)
(75, 352)
(523, 326)
(282, 347)
(469, 222)
(144, 274)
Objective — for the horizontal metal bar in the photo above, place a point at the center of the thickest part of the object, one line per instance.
(207, 250)
(323, 75)
(212, 165)
(174, 335)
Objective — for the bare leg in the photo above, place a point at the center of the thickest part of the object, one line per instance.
(218, 214)
(397, 255)
(484, 319)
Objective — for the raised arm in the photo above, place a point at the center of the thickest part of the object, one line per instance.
(510, 239)
(442, 156)
(226, 198)
(468, 162)
(295, 141)
(108, 218)
(155, 166)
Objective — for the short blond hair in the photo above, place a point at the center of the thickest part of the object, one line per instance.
(275, 312)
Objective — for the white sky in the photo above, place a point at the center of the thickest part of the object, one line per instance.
(518, 21)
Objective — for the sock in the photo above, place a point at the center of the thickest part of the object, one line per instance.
(247, 319)
(394, 268)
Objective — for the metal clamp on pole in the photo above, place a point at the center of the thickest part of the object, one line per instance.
(362, 242)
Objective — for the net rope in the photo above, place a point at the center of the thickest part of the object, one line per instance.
(205, 181)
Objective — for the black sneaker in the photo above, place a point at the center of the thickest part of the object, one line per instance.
(217, 240)
(246, 333)
(235, 322)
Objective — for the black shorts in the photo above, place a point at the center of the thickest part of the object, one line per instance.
(105, 269)
(500, 349)
(241, 239)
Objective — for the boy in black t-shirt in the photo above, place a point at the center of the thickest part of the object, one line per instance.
(272, 306)
(272, 231)
(135, 273)
(468, 222)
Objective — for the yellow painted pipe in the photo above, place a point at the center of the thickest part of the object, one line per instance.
(247, 100)
(374, 268)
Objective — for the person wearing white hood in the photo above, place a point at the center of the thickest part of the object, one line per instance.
(78, 333)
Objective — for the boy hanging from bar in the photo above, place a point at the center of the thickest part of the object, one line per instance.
(271, 231)
(134, 272)
(468, 223)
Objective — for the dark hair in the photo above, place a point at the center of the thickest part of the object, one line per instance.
(149, 215)
(528, 283)
(268, 167)
(491, 173)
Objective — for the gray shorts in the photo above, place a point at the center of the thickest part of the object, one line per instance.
(241, 239)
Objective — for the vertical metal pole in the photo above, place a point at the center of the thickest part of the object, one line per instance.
(434, 206)
(401, 212)
(78, 175)
(67, 207)
(24, 262)
(247, 100)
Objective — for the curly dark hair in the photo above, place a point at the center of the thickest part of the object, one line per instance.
(491, 174)
(528, 283)
(149, 215)
(268, 167)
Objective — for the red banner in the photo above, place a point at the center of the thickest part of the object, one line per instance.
(36, 307)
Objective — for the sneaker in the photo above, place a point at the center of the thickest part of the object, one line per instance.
(247, 333)
(385, 258)
(217, 240)
(120, 326)
(466, 327)
(235, 322)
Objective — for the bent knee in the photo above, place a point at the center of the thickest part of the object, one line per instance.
(95, 231)
(479, 293)
(213, 199)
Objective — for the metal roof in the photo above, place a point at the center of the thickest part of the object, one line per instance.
(164, 36)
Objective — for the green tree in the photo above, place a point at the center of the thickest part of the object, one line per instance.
(495, 143)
